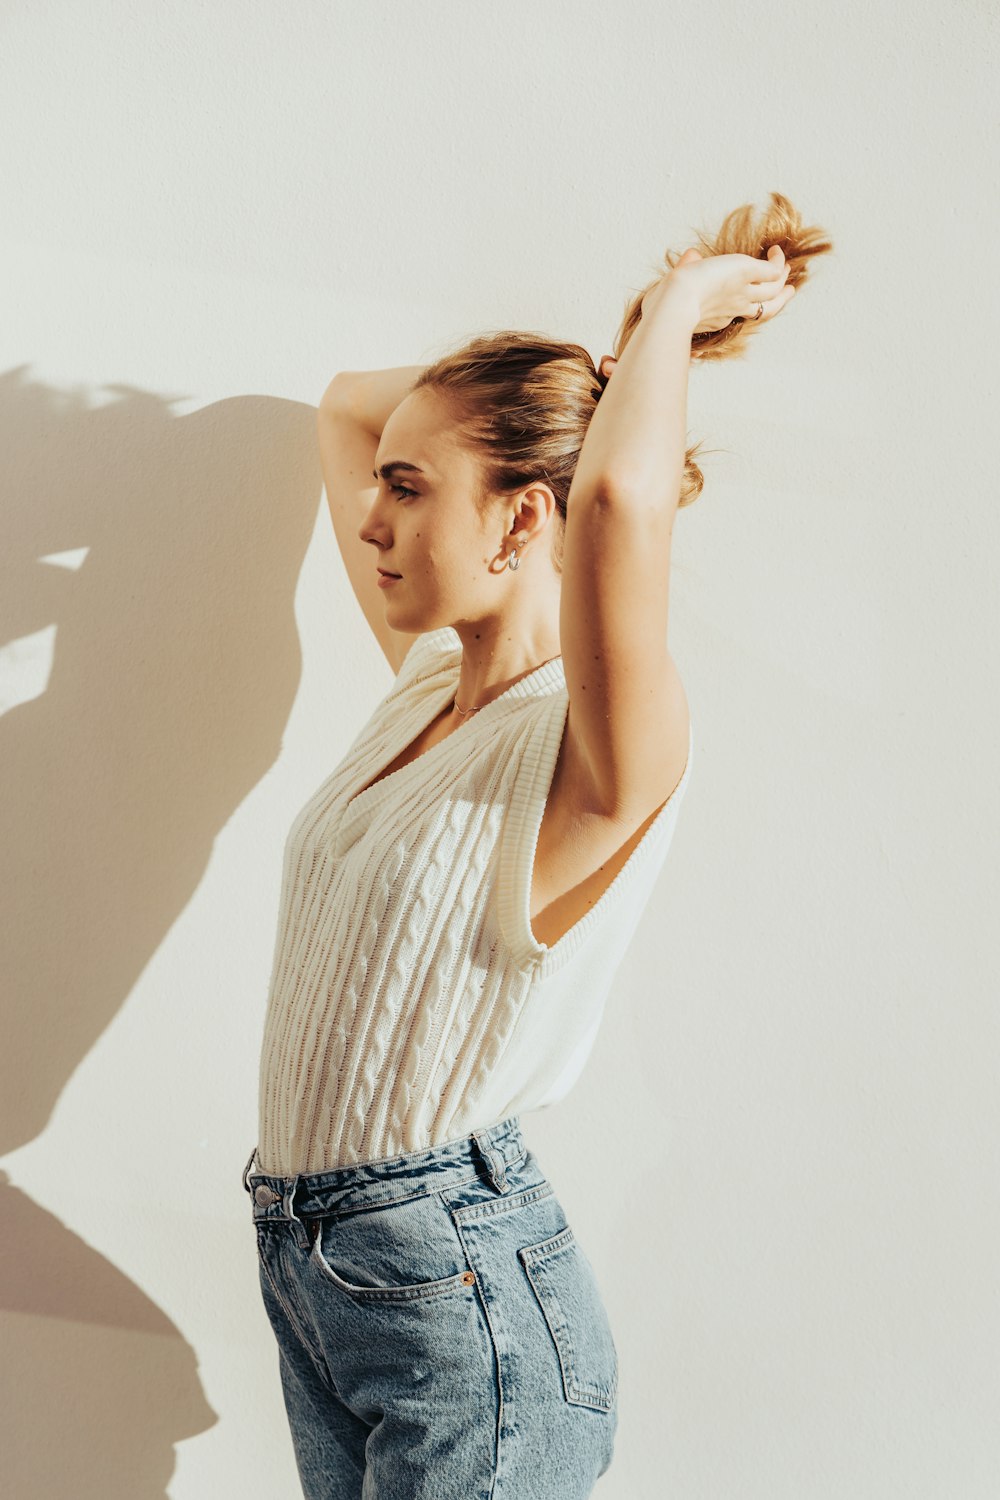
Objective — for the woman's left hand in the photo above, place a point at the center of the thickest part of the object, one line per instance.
(724, 287)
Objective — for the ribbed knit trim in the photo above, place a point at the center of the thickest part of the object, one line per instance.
(431, 663)
(517, 855)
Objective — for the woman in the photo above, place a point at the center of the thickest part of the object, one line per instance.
(457, 895)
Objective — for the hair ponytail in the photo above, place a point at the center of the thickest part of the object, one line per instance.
(523, 401)
(741, 233)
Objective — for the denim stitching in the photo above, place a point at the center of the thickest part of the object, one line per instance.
(420, 1291)
(507, 1204)
(581, 1393)
(483, 1303)
(311, 1216)
(295, 1319)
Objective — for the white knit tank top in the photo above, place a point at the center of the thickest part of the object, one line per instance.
(409, 1002)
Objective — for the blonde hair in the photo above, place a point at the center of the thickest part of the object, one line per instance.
(523, 402)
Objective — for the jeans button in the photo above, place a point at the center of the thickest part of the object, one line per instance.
(265, 1195)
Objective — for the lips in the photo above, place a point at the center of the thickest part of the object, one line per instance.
(386, 574)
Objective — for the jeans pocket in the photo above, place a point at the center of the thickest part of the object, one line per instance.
(396, 1252)
(564, 1283)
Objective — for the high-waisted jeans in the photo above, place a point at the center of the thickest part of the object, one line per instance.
(441, 1334)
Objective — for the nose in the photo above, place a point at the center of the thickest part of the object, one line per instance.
(367, 531)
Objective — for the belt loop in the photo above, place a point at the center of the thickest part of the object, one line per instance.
(496, 1165)
(298, 1228)
(246, 1170)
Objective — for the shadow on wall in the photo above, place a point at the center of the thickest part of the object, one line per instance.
(176, 664)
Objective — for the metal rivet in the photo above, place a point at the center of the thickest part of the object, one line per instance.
(468, 1277)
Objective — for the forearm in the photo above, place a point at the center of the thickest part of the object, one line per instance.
(637, 437)
(370, 396)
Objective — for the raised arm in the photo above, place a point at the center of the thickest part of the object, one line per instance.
(628, 712)
(352, 412)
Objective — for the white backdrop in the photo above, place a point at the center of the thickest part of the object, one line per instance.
(782, 1156)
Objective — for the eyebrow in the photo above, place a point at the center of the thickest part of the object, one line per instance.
(385, 471)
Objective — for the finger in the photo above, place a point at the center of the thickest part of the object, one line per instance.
(762, 291)
(688, 258)
(772, 308)
(771, 268)
(769, 298)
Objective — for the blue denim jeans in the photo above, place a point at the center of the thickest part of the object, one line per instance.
(441, 1334)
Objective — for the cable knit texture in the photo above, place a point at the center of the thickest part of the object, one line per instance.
(409, 1001)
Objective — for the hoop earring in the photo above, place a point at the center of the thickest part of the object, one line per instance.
(514, 559)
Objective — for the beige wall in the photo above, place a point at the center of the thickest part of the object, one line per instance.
(781, 1158)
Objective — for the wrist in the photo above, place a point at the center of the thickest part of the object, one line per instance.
(672, 299)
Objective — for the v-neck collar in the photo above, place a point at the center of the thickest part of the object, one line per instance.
(541, 680)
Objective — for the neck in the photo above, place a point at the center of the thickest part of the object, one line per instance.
(468, 709)
(492, 664)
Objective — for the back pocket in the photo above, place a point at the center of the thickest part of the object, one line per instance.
(567, 1291)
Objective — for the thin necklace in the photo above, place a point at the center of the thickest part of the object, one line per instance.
(465, 712)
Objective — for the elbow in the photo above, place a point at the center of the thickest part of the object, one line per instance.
(337, 395)
(604, 491)
(620, 494)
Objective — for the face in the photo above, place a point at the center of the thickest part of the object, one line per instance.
(424, 523)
